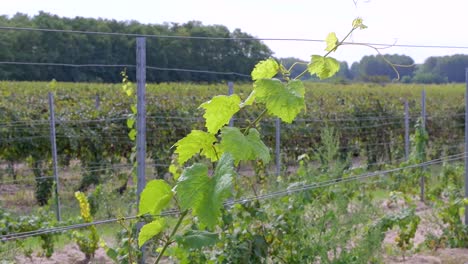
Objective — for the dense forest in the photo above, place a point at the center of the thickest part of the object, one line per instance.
(238, 54)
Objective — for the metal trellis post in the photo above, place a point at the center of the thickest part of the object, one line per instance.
(407, 138)
(141, 122)
(230, 92)
(423, 125)
(277, 146)
(466, 145)
(97, 102)
(54, 155)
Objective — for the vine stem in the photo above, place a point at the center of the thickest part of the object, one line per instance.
(259, 117)
(328, 53)
(393, 65)
(168, 242)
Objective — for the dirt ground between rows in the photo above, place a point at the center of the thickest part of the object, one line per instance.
(72, 255)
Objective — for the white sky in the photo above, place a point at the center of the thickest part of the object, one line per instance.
(426, 22)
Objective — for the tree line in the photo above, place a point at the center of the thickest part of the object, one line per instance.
(393, 67)
(445, 69)
(239, 54)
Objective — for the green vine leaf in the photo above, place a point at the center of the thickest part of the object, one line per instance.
(129, 92)
(196, 239)
(205, 195)
(155, 197)
(175, 170)
(323, 67)
(132, 134)
(265, 69)
(195, 142)
(133, 108)
(192, 184)
(219, 110)
(150, 230)
(285, 101)
(243, 147)
(130, 122)
(332, 42)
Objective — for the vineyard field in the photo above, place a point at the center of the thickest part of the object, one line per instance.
(316, 209)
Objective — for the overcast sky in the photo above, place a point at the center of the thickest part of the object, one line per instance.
(418, 22)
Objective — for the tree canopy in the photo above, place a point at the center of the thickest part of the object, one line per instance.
(239, 54)
(219, 50)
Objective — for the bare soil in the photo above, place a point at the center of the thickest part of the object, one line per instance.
(428, 225)
(441, 256)
(70, 254)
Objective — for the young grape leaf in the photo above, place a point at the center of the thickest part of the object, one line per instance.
(203, 194)
(323, 67)
(332, 42)
(219, 110)
(265, 69)
(130, 122)
(155, 197)
(242, 147)
(129, 92)
(197, 239)
(357, 23)
(132, 134)
(195, 142)
(150, 230)
(283, 101)
(134, 109)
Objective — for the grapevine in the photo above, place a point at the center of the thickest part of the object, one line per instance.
(201, 192)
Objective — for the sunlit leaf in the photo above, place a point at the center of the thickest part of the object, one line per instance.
(323, 67)
(132, 134)
(265, 69)
(332, 42)
(155, 197)
(357, 23)
(219, 110)
(150, 230)
(130, 122)
(195, 142)
(285, 101)
(175, 171)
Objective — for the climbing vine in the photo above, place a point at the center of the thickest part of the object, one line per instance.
(200, 190)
